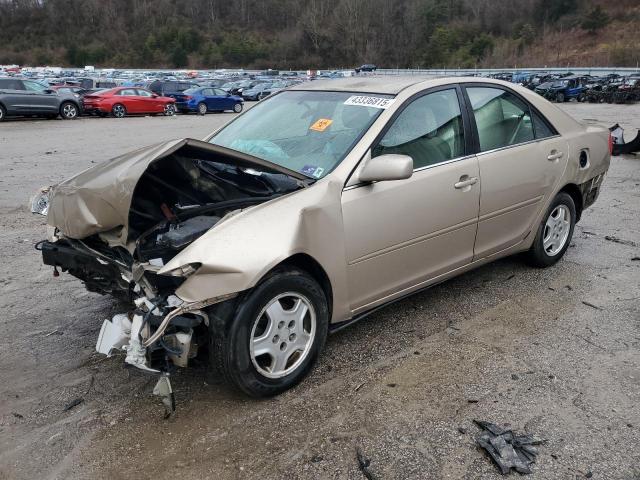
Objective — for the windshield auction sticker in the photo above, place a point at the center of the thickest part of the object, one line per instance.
(367, 101)
(321, 125)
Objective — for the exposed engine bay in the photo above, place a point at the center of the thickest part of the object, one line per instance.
(178, 197)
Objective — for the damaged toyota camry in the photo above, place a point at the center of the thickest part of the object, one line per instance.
(311, 210)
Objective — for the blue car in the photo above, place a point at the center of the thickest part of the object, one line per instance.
(207, 99)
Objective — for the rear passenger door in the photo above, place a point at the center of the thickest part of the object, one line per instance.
(13, 95)
(517, 170)
(131, 100)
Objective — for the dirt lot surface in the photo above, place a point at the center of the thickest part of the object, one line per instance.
(552, 352)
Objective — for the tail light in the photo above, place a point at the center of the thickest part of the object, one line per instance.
(610, 144)
(188, 97)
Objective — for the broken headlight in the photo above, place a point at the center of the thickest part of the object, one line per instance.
(40, 201)
(184, 271)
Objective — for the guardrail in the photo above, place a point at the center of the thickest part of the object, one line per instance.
(487, 71)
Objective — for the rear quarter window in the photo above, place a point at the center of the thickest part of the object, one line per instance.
(11, 84)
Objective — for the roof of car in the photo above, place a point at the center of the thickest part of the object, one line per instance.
(388, 85)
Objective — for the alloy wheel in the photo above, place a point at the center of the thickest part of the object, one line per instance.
(69, 111)
(169, 109)
(556, 230)
(282, 335)
(119, 111)
(202, 109)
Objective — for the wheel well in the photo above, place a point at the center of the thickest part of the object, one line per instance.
(312, 267)
(575, 193)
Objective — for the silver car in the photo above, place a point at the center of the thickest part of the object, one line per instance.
(22, 97)
(314, 208)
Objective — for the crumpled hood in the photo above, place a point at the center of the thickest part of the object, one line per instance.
(99, 198)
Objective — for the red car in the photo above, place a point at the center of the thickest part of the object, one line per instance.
(122, 101)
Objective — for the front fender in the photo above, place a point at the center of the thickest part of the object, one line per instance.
(237, 253)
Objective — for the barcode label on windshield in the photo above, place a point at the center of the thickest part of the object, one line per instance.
(367, 101)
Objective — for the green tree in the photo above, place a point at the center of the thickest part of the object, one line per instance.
(594, 20)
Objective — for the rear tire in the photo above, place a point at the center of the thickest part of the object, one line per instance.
(119, 110)
(202, 108)
(237, 108)
(554, 232)
(3, 114)
(268, 341)
(69, 111)
(560, 98)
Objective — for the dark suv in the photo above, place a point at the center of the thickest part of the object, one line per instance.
(20, 97)
(170, 88)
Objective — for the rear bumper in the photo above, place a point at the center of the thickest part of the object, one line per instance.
(590, 190)
(94, 109)
(186, 106)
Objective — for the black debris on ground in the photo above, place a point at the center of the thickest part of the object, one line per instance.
(73, 403)
(507, 449)
(363, 464)
(612, 238)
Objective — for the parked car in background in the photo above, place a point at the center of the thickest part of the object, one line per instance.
(367, 67)
(22, 97)
(123, 101)
(306, 213)
(563, 89)
(170, 88)
(239, 87)
(262, 90)
(207, 99)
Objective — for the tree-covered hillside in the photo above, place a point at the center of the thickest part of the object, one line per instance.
(319, 33)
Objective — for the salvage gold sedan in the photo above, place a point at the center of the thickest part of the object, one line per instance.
(312, 209)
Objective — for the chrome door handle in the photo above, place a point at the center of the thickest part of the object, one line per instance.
(465, 182)
(554, 155)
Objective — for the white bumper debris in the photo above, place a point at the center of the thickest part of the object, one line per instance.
(114, 334)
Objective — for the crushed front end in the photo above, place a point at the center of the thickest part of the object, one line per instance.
(117, 225)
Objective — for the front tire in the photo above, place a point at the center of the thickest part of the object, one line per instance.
(554, 232)
(68, 110)
(269, 341)
(169, 110)
(237, 108)
(560, 98)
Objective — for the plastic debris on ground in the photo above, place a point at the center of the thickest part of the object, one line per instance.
(621, 147)
(508, 449)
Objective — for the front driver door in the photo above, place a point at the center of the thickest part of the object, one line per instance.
(147, 102)
(400, 234)
(39, 99)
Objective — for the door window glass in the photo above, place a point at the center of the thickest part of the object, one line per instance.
(219, 91)
(34, 86)
(502, 118)
(143, 93)
(11, 84)
(429, 130)
(128, 92)
(542, 128)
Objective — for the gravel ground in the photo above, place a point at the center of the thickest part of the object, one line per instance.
(551, 352)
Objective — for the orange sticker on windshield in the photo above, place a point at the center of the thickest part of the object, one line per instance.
(321, 125)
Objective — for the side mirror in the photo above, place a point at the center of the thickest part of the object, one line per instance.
(154, 95)
(386, 167)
